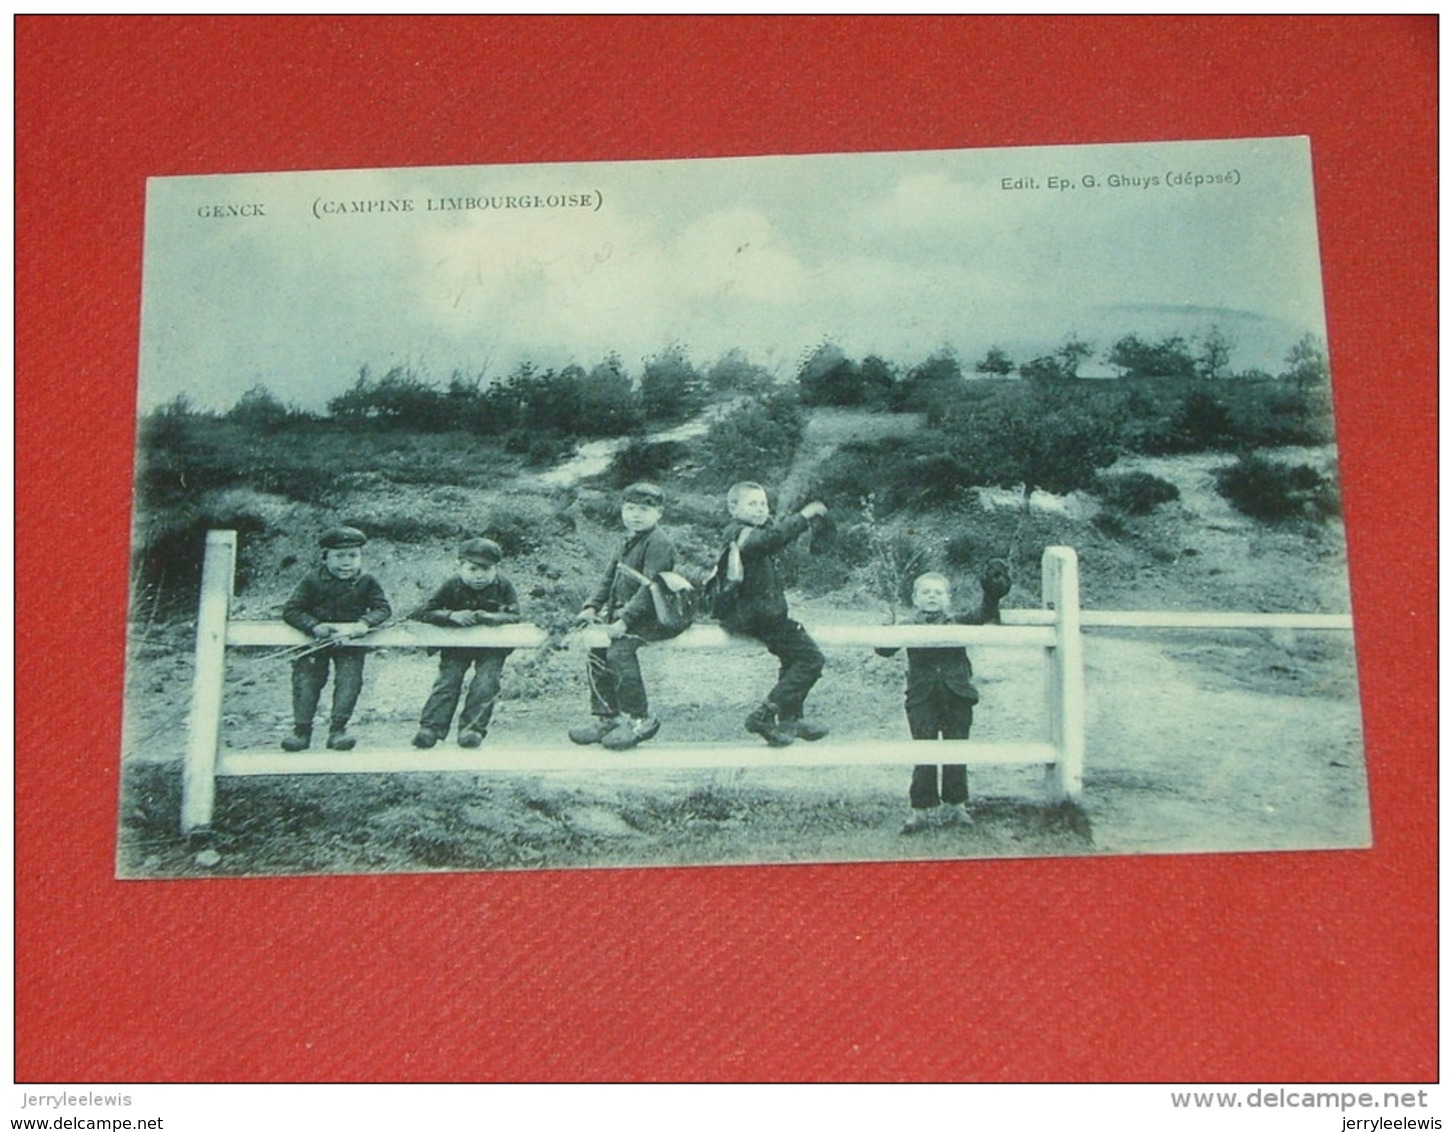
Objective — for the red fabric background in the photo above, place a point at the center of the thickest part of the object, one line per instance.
(1252, 967)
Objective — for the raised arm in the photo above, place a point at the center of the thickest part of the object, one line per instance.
(761, 541)
(996, 584)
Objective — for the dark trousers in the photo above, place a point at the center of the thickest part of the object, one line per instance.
(454, 666)
(615, 679)
(310, 673)
(941, 713)
(799, 660)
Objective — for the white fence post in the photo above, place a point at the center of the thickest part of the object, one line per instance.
(204, 728)
(1060, 587)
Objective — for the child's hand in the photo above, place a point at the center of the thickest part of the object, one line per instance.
(322, 630)
(995, 579)
(354, 629)
(586, 618)
(616, 629)
(814, 509)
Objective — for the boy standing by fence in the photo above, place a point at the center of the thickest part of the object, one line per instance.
(940, 696)
(478, 594)
(624, 605)
(332, 603)
(757, 607)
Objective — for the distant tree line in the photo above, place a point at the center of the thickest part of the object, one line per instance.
(828, 377)
(606, 400)
(572, 401)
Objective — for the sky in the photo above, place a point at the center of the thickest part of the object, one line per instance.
(296, 280)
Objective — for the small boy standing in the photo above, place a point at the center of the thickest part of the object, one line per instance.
(478, 594)
(758, 609)
(623, 604)
(940, 696)
(332, 603)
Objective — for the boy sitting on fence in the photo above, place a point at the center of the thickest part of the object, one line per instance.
(623, 603)
(940, 696)
(331, 603)
(478, 594)
(757, 607)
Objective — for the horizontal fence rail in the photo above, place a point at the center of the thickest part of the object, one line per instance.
(558, 756)
(1187, 619)
(418, 635)
(1055, 629)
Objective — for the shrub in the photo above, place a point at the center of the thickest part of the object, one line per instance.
(821, 574)
(756, 441)
(732, 373)
(1265, 489)
(399, 399)
(539, 449)
(1039, 438)
(854, 545)
(971, 549)
(902, 473)
(1136, 493)
(1111, 522)
(931, 386)
(524, 525)
(645, 460)
(671, 389)
(403, 526)
(168, 549)
(260, 409)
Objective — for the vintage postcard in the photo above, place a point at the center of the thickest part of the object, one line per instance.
(931, 505)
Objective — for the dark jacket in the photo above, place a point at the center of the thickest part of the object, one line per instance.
(497, 601)
(621, 595)
(322, 597)
(760, 600)
(948, 668)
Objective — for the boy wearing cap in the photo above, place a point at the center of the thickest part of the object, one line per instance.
(331, 603)
(623, 604)
(759, 609)
(478, 594)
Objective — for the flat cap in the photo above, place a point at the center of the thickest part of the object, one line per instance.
(647, 493)
(337, 538)
(480, 551)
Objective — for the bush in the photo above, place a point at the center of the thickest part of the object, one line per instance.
(515, 534)
(820, 574)
(539, 449)
(1043, 437)
(972, 549)
(917, 473)
(1204, 422)
(403, 526)
(931, 386)
(1111, 522)
(401, 398)
(1136, 493)
(1267, 490)
(168, 549)
(671, 389)
(645, 460)
(756, 441)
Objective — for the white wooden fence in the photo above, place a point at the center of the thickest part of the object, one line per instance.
(1055, 629)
